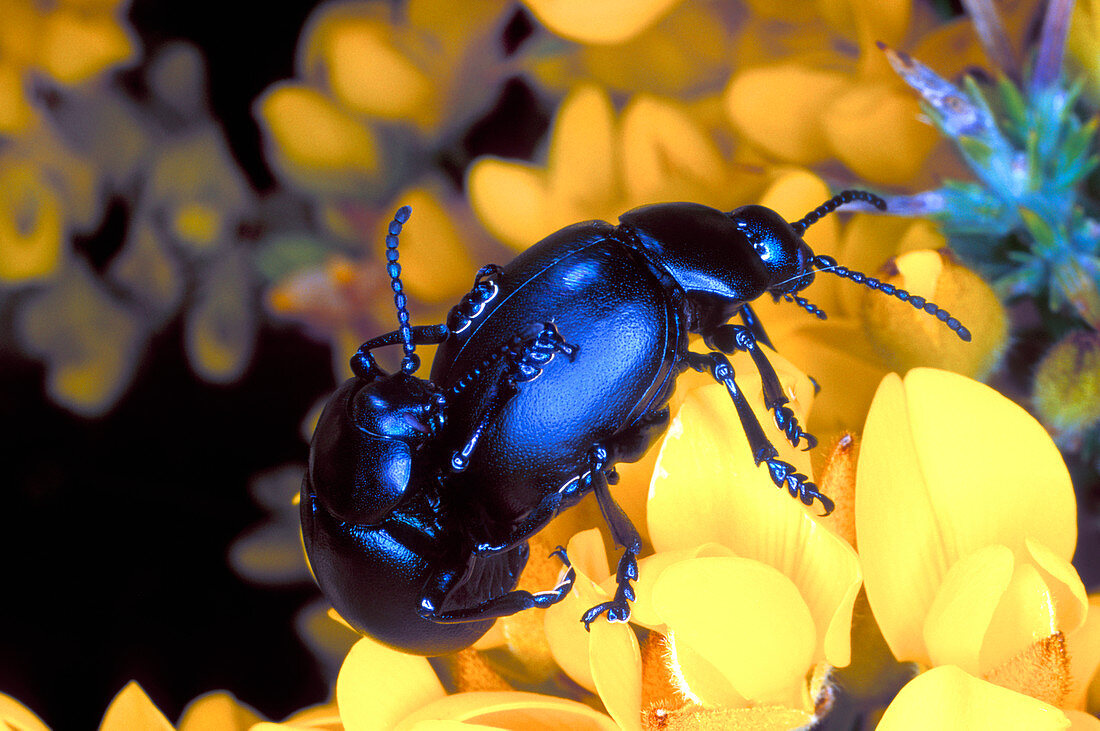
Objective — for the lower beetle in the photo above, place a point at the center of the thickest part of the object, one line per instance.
(421, 495)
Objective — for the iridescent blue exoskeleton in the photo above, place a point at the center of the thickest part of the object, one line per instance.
(421, 495)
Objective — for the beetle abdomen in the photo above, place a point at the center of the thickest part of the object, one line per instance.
(604, 298)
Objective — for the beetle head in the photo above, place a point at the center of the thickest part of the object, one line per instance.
(362, 459)
(399, 406)
(780, 247)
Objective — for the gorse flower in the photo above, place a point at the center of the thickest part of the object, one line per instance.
(966, 522)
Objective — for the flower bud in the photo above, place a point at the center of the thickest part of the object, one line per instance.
(1066, 392)
(909, 338)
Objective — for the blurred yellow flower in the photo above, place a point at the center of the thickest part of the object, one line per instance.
(33, 238)
(90, 342)
(132, 709)
(966, 521)
(801, 101)
(70, 40)
(15, 715)
(382, 688)
(600, 166)
(364, 70)
(605, 22)
(685, 54)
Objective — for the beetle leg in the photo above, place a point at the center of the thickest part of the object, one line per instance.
(363, 364)
(732, 338)
(752, 322)
(524, 356)
(783, 474)
(625, 535)
(498, 606)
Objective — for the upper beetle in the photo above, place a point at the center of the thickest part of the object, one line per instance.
(550, 371)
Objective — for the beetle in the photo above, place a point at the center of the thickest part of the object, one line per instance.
(421, 494)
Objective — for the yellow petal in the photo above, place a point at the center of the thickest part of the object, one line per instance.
(370, 73)
(778, 109)
(17, 716)
(89, 341)
(16, 113)
(923, 438)
(1071, 603)
(77, 45)
(511, 200)
(377, 686)
(960, 614)
(132, 709)
(1024, 616)
(608, 22)
(569, 642)
(875, 131)
(746, 618)
(706, 488)
(316, 142)
(582, 163)
(217, 710)
(948, 698)
(509, 709)
(1084, 652)
(435, 265)
(32, 223)
(220, 329)
(616, 663)
(663, 147)
(868, 20)
(910, 338)
(650, 568)
(1082, 721)
(686, 52)
(700, 680)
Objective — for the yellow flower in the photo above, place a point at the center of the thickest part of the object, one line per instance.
(32, 222)
(89, 341)
(363, 71)
(966, 521)
(14, 714)
(749, 589)
(799, 100)
(382, 688)
(600, 166)
(69, 40)
(606, 22)
(687, 53)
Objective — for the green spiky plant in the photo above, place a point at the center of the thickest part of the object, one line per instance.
(1027, 221)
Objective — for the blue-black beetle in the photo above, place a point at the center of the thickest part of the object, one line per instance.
(420, 495)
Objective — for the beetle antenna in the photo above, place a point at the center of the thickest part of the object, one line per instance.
(841, 198)
(806, 305)
(411, 361)
(828, 264)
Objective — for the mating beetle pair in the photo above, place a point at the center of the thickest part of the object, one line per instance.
(421, 494)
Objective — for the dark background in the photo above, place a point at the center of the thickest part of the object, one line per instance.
(115, 530)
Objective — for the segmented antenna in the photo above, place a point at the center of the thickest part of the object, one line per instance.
(828, 264)
(411, 361)
(845, 196)
(806, 305)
